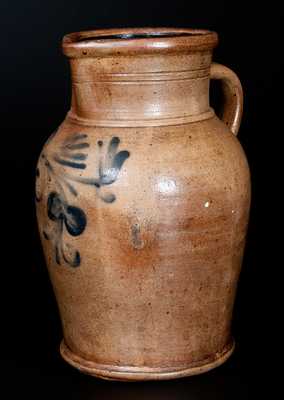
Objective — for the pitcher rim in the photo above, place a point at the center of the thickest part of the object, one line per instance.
(129, 41)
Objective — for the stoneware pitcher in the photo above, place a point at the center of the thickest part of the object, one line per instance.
(142, 200)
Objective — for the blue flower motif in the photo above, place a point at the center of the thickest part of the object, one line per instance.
(73, 155)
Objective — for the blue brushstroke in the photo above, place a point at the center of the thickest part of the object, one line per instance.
(67, 163)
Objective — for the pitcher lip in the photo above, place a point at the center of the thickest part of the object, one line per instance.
(103, 42)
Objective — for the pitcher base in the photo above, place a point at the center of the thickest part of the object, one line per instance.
(125, 373)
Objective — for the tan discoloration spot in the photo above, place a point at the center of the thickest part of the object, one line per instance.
(137, 242)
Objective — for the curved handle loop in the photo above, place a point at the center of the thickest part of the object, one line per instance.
(233, 92)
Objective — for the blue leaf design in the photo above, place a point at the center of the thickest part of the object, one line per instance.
(75, 220)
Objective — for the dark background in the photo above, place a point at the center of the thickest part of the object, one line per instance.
(35, 96)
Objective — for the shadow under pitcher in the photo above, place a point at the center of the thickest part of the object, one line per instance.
(143, 198)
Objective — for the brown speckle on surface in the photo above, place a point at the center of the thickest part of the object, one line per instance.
(137, 241)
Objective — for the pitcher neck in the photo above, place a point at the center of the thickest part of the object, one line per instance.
(148, 88)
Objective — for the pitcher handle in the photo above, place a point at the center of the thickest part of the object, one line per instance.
(233, 92)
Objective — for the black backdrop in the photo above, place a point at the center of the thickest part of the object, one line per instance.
(35, 96)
